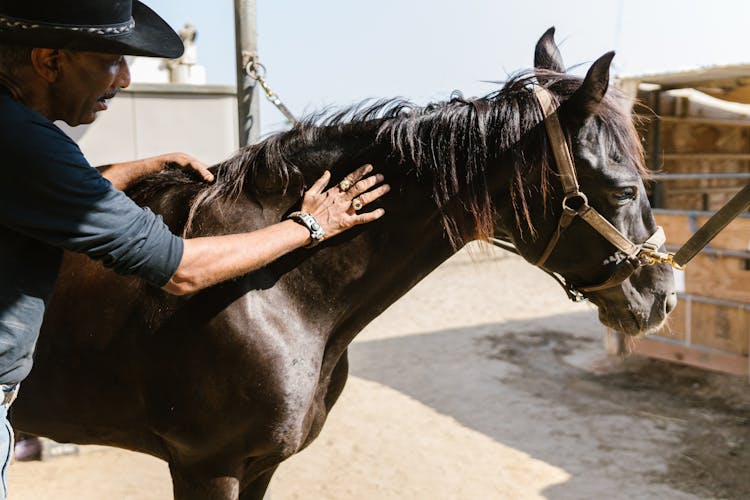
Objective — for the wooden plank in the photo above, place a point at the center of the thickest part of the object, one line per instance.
(694, 142)
(707, 359)
(672, 198)
(700, 198)
(699, 176)
(707, 189)
(725, 278)
(720, 327)
(717, 199)
(709, 167)
(715, 326)
(718, 122)
(676, 227)
(736, 236)
(705, 156)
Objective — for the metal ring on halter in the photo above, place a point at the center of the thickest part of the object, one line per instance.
(345, 185)
(357, 203)
(574, 196)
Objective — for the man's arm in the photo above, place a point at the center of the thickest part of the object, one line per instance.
(123, 175)
(57, 198)
(210, 260)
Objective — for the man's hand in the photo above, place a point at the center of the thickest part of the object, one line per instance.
(186, 162)
(336, 208)
(123, 175)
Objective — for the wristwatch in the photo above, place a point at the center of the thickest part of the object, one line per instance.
(311, 223)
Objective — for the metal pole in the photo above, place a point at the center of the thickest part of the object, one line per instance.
(247, 92)
(658, 190)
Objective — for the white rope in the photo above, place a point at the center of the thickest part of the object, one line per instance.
(19, 24)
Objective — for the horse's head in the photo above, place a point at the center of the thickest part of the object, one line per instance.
(566, 238)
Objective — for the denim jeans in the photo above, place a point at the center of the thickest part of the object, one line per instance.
(7, 395)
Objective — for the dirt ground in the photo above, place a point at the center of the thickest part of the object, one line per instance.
(483, 382)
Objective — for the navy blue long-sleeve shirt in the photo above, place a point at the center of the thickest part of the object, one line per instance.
(52, 199)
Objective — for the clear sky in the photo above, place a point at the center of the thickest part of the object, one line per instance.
(332, 53)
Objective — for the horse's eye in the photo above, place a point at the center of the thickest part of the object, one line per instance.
(624, 195)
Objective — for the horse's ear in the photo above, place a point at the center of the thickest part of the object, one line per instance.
(586, 100)
(547, 55)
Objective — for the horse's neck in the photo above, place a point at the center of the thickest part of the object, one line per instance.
(349, 282)
(354, 277)
(357, 275)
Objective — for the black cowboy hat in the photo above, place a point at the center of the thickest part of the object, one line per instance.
(124, 27)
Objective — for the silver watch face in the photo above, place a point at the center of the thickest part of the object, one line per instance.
(316, 231)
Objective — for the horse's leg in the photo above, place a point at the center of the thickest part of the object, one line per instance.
(197, 483)
(257, 489)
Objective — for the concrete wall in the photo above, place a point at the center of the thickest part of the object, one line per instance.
(150, 119)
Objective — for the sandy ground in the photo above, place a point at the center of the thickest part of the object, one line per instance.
(483, 382)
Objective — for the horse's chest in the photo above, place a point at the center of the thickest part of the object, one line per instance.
(273, 358)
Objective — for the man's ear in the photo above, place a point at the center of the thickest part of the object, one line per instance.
(46, 62)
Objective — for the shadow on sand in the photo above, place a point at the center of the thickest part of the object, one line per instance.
(624, 428)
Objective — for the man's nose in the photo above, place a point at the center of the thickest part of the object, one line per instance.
(123, 76)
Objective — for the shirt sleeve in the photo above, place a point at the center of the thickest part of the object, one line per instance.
(48, 191)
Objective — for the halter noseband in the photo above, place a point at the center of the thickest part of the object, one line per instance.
(575, 204)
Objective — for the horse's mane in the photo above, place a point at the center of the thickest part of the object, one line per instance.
(454, 144)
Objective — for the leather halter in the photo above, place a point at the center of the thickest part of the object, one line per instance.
(575, 204)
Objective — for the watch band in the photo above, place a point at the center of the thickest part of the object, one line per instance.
(311, 223)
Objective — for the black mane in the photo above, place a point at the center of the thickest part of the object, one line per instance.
(456, 144)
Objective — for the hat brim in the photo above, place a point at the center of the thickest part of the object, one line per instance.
(151, 37)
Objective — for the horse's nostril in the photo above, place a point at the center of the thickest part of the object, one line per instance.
(670, 303)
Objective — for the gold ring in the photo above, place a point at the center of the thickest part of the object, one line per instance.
(345, 185)
(357, 203)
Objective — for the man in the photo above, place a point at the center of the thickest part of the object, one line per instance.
(64, 61)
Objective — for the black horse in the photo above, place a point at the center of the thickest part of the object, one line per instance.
(226, 384)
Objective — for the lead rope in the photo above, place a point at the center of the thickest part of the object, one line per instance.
(708, 231)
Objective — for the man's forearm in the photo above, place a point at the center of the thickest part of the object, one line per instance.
(210, 260)
(123, 175)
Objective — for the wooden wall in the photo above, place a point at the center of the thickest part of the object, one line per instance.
(714, 307)
(695, 134)
(695, 145)
(711, 324)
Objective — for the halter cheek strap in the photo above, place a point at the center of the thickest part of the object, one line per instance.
(560, 149)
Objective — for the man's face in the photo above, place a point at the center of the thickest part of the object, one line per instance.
(86, 83)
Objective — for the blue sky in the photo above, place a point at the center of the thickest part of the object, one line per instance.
(332, 53)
